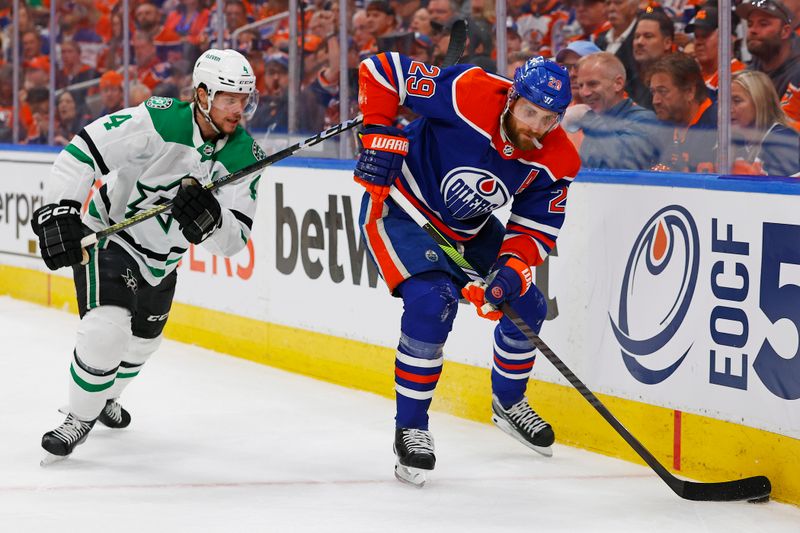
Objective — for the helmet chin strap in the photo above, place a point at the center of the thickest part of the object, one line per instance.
(207, 112)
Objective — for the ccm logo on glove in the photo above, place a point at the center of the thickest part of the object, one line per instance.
(49, 211)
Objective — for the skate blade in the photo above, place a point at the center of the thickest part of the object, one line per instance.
(415, 477)
(50, 459)
(547, 451)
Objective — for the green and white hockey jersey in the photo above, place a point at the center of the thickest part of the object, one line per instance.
(141, 154)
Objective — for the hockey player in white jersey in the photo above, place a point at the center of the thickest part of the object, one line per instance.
(161, 150)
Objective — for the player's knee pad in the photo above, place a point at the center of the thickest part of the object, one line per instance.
(430, 303)
(139, 349)
(103, 336)
(532, 308)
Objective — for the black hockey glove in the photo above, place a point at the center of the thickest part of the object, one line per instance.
(197, 212)
(60, 230)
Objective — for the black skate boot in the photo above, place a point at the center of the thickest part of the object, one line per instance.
(114, 415)
(60, 442)
(414, 451)
(522, 423)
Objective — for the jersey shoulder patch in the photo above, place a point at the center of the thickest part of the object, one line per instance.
(479, 98)
(172, 119)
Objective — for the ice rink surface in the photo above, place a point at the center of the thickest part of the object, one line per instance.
(221, 444)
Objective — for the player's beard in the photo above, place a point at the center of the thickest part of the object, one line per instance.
(520, 141)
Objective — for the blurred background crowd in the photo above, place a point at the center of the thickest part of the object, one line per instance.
(648, 90)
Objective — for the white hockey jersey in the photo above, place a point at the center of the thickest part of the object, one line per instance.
(140, 155)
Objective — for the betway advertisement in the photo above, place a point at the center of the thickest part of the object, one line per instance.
(681, 297)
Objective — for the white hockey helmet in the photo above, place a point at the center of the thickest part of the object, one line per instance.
(228, 71)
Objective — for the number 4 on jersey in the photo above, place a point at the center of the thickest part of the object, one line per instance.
(115, 121)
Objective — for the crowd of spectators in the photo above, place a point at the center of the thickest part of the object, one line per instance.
(644, 73)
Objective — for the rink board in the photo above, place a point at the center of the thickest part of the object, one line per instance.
(670, 297)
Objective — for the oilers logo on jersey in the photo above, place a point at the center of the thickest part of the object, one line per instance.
(469, 192)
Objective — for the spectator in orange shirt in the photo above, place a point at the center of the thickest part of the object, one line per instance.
(31, 46)
(235, 13)
(706, 41)
(25, 117)
(592, 15)
(150, 70)
(687, 114)
(361, 35)
(189, 20)
(38, 99)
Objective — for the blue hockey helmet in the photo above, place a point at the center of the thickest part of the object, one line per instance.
(543, 82)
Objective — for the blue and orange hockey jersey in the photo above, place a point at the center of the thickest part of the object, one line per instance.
(460, 166)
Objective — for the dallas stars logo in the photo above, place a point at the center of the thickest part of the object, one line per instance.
(130, 280)
(150, 197)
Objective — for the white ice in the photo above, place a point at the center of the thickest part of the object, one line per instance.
(221, 444)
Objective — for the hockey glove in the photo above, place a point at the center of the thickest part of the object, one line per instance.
(60, 230)
(197, 211)
(509, 279)
(381, 159)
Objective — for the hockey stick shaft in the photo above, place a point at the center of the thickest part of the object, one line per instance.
(744, 489)
(89, 240)
(458, 37)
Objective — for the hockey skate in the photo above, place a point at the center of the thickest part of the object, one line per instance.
(114, 415)
(521, 422)
(414, 451)
(60, 442)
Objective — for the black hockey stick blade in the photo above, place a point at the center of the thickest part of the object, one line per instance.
(756, 488)
(752, 489)
(458, 40)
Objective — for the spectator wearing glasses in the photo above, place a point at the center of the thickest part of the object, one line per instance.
(617, 132)
(688, 116)
(763, 142)
(706, 41)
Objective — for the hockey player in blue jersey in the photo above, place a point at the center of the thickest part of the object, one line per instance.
(482, 142)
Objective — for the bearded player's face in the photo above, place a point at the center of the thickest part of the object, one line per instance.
(528, 123)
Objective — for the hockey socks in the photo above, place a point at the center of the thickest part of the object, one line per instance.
(512, 362)
(430, 302)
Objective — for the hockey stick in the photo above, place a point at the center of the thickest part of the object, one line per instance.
(458, 38)
(89, 240)
(755, 488)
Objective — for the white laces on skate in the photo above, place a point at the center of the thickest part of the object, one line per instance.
(114, 410)
(526, 418)
(418, 440)
(72, 429)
